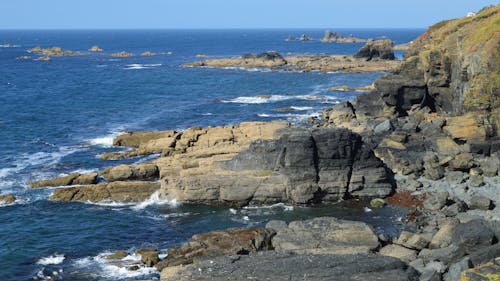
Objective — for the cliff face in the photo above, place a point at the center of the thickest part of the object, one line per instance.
(454, 67)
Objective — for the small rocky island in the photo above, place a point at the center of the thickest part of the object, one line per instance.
(335, 37)
(426, 137)
(376, 56)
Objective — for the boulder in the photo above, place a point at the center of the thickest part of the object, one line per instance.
(61, 181)
(118, 191)
(281, 266)
(412, 240)
(455, 270)
(233, 241)
(380, 49)
(95, 48)
(400, 252)
(466, 127)
(462, 162)
(6, 199)
(326, 235)
(447, 255)
(276, 225)
(149, 256)
(436, 201)
(135, 139)
(480, 202)
(473, 235)
(488, 272)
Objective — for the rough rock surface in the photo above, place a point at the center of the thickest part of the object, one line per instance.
(288, 266)
(380, 49)
(335, 37)
(71, 179)
(300, 165)
(321, 62)
(326, 235)
(6, 199)
(118, 191)
(218, 243)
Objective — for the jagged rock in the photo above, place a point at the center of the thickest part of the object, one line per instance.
(490, 166)
(119, 191)
(233, 241)
(446, 255)
(384, 127)
(462, 162)
(412, 240)
(486, 272)
(456, 269)
(433, 169)
(300, 165)
(52, 51)
(85, 179)
(400, 252)
(305, 37)
(455, 208)
(473, 235)
(456, 177)
(149, 256)
(330, 37)
(466, 127)
(143, 171)
(380, 49)
(443, 238)
(437, 201)
(118, 255)
(6, 199)
(326, 235)
(281, 266)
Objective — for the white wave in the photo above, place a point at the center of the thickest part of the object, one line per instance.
(263, 115)
(175, 215)
(141, 66)
(112, 269)
(147, 158)
(367, 210)
(26, 160)
(207, 114)
(274, 206)
(274, 98)
(52, 259)
(104, 141)
(83, 171)
(301, 108)
(293, 118)
(9, 46)
(155, 199)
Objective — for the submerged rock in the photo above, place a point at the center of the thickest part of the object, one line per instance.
(122, 54)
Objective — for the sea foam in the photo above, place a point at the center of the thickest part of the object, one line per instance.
(52, 259)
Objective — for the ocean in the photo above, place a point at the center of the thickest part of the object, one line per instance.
(57, 116)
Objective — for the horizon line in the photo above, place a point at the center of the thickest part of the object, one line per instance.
(203, 28)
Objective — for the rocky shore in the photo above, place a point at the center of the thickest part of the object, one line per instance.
(376, 56)
(427, 137)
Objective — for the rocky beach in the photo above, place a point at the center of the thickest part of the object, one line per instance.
(423, 139)
(426, 137)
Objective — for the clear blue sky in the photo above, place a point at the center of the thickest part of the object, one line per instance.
(126, 14)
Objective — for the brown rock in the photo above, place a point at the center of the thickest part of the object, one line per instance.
(119, 191)
(469, 126)
(118, 255)
(399, 252)
(149, 256)
(122, 54)
(143, 171)
(6, 199)
(95, 48)
(61, 181)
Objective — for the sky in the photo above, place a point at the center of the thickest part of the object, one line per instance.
(195, 14)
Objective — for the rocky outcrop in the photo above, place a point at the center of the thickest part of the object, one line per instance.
(325, 235)
(71, 179)
(299, 166)
(380, 49)
(305, 37)
(142, 172)
(335, 37)
(269, 59)
(118, 191)
(122, 54)
(218, 243)
(279, 266)
(52, 51)
(324, 63)
(6, 199)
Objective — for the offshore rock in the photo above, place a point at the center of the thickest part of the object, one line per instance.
(71, 179)
(6, 199)
(281, 266)
(380, 49)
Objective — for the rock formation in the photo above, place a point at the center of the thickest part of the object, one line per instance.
(122, 54)
(321, 62)
(380, 49)
(95, 48)
(52, 51)
(6, 199)
(335, 37)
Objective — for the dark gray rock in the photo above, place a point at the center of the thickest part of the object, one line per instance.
(446, 255)
(485, 254)
(281, 266)
(455, 208)
(276, 225)
(383, 127)
(455, 270)
(473, 235)
(380, 49)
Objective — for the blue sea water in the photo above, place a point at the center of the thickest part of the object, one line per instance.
(57, 116)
